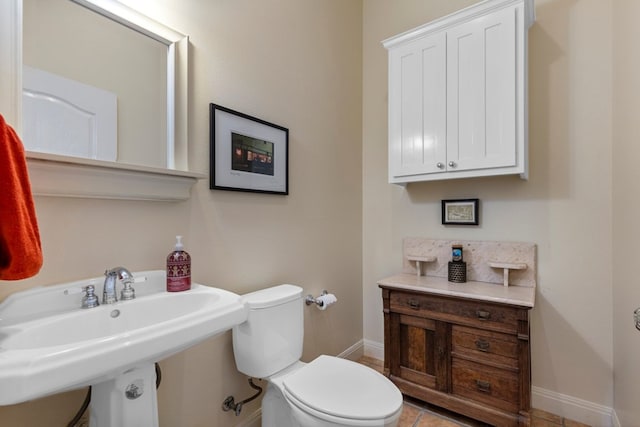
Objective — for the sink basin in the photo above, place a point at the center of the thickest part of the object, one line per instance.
(48, 344)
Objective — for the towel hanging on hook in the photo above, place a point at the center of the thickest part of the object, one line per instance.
(20, 247)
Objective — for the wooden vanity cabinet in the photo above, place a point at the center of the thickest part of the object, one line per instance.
(469, 356)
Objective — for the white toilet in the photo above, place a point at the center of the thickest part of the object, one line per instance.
(327, 392)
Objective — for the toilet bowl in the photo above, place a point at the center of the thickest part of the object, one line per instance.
(326, 392)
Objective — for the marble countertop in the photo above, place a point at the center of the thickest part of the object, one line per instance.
(523, 296)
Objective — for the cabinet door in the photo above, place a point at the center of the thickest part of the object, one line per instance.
(420, 351)
(417, 113)
(481, 86)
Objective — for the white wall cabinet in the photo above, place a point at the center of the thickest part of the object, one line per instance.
(458, 95)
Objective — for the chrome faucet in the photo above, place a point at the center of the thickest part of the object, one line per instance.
(109, 295)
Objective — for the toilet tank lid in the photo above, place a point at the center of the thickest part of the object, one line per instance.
(272, 296)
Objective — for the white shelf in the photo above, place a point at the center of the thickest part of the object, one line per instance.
(62, 176)
(419, 260)
(506, 266)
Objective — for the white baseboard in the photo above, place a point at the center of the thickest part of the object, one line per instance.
(616, 421)
(355, 352)
(550, 401)
(253, 420)
(573, 408)
(374, 349)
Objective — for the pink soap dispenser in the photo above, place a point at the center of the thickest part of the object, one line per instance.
(178, 268)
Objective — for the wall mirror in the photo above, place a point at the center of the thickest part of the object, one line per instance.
(110, 47)
(151, 138)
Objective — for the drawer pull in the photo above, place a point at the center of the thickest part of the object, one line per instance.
(483, 345)
(415, 304)
(483, 314)
(483, 386)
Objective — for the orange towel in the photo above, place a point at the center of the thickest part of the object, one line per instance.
(20, 249)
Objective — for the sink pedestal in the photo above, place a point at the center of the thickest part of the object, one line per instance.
(129, 400)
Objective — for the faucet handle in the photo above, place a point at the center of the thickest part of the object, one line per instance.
(127, 292)
(90, 300)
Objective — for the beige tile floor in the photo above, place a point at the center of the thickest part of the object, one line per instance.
(420, 414)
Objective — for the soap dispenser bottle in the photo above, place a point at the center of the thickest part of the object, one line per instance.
(178, 268)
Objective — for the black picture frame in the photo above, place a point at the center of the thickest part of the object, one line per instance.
(247, 153)
(460, 212)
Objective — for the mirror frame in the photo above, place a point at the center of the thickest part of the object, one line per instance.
(177, 49)
(11, 62)
(55, 175)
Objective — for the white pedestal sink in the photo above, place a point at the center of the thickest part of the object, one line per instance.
(48, 344)
(129, 400)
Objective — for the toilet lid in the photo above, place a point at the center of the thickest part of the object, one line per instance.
(344, 389)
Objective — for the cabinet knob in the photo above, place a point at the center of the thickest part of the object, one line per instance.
(440, 165)
(415, 304)
(452, 164)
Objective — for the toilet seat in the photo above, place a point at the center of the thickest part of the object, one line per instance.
(338, 388)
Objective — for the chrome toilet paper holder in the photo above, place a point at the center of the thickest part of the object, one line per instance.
(310, 299)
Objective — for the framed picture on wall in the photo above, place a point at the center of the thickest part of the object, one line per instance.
(460, 212)
(247, 153)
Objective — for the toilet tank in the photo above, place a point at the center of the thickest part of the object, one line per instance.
(271, 338)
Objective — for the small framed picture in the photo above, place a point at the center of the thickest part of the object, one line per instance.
(247, 153)
(460, 212)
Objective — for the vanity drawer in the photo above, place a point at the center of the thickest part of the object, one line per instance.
(486, 384)
(495, 348)
(481, 314)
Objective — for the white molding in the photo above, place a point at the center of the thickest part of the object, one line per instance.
(177, 75)
(374, 349)
(180, 130)
(355, 352)
(52, 176)
(572, 407)
(464, 15)
(133, 19)
(616, 421)
(11, 62)
(253, 420)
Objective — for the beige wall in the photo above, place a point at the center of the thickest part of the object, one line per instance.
(626, 228)
(565, 206)
(296, 63)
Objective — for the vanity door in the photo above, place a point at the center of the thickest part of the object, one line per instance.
(419, 350)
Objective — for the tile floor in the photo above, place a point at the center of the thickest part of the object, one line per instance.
(420, 414)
